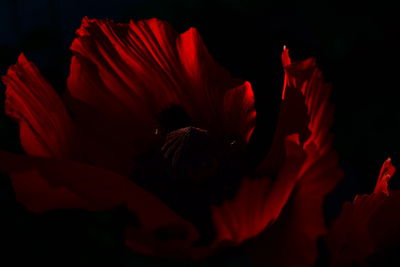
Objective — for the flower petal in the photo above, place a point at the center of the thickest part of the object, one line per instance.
(98, 189)
(387, 172)
(259, 201)
(45, 127)
(213, 98)
(39, 196)
(132, 72)
(112, 134)
(305, 110)
(45, 130)
(256, 205)
(239, 114)
(304, 221)
(367, 225)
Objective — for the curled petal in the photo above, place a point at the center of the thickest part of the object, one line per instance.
(305, 110)
(386, 173)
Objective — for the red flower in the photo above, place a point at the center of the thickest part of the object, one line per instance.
(146, 109)
(367, 231)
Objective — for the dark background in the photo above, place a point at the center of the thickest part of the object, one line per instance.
(356, 46)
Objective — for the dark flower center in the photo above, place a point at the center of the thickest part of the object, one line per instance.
(190, 170)
(190, 154)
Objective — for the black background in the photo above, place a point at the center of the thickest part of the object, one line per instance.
(357, 48)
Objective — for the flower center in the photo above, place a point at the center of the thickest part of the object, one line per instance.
(190, 154)
(190, 170)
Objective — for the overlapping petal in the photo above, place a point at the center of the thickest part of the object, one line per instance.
(305, 110)
(124, 75)
(98, 189)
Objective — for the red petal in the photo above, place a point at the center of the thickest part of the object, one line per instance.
(259, 200)
(214, 99)
(305, 110)
(257, 204)
(239, 114)
(133, 72)
(39, 196)
(387, 172)
(305, 222)
(45, 127)
(384, 225)
(113, 134)
(100, 189)
(368, 224)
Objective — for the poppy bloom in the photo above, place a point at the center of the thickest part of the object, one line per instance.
(367, 231)
(152, 123)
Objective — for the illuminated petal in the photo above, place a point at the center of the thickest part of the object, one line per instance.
(45, 127)
(305, 111)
